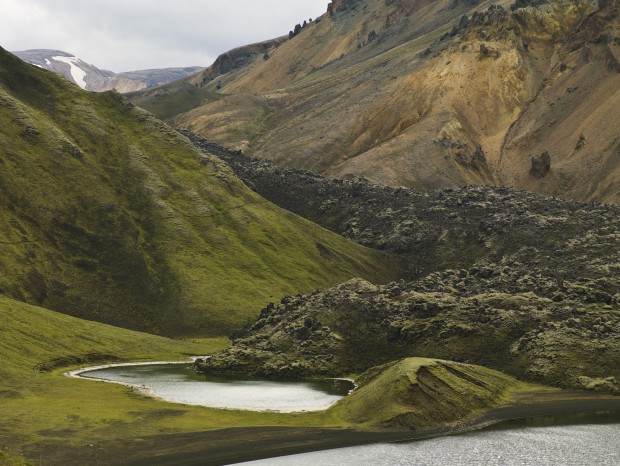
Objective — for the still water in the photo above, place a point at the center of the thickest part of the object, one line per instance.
(179, 384)
(517, 444)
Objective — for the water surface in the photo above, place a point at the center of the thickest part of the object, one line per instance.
(516, 444)
(179, 383)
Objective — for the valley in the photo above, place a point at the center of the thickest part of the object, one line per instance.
(417, 196)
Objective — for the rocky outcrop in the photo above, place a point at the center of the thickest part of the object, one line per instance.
(509, 316)
(552, 19)
(541, 164)
(237, 58)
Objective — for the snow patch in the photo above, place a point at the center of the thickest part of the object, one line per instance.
(47, 62)
(77, 73)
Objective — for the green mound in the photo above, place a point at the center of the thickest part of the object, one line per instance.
(110, 215)
(420, 393)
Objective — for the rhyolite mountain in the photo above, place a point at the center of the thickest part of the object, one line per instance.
(91, 78)
(428, 94)
(109, 214)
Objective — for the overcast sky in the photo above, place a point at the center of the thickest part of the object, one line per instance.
(127, 35)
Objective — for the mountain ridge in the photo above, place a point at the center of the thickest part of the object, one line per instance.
(91, 78)
(431, 95)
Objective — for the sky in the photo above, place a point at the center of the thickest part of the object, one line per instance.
(128, 35)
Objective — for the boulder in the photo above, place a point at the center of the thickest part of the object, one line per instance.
(541, 165)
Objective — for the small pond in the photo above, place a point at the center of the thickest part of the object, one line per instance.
(180, 384)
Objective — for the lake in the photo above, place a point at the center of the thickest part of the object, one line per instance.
(529, 442)
(178, 383)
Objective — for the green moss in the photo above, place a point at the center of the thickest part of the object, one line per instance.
(45, 406)
(109, 214)
(7, 459)
(422, 393)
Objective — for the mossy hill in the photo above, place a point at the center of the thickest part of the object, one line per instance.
(110, 215)
(420, 393)
(515, 281)
(503, 316)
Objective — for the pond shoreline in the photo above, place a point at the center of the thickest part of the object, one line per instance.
(253, 443)
(207, 389)
(140, 389)
(233, 445)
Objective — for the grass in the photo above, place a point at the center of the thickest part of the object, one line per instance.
(49, 407)
(42, 410)
(110, 215)
(420, 392)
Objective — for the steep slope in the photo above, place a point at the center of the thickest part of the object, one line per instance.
(110, 215)
(435, 94)
(91, 78)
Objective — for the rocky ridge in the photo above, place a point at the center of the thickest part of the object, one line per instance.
(449, 228)
(511, 280)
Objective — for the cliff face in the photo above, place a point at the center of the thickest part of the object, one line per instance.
(435, 94)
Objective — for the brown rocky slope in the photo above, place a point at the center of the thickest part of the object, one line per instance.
(435, 94)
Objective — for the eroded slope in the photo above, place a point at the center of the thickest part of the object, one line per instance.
(436, 94)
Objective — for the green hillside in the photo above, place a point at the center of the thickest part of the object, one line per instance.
(44, 412)
(108, 214)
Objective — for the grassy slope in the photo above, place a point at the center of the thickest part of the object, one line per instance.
(48, 407)
(419, 393)
(109, 215)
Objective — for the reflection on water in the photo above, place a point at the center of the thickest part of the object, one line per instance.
(178, 383)
(516, 443)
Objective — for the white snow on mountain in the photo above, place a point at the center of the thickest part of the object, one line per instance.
(77, 73)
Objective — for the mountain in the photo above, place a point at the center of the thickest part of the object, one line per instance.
(511, 280)
(430, 94)
(92, 78)
(109, 214)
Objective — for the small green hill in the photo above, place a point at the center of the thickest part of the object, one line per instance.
(420, 393)
(108, 214)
